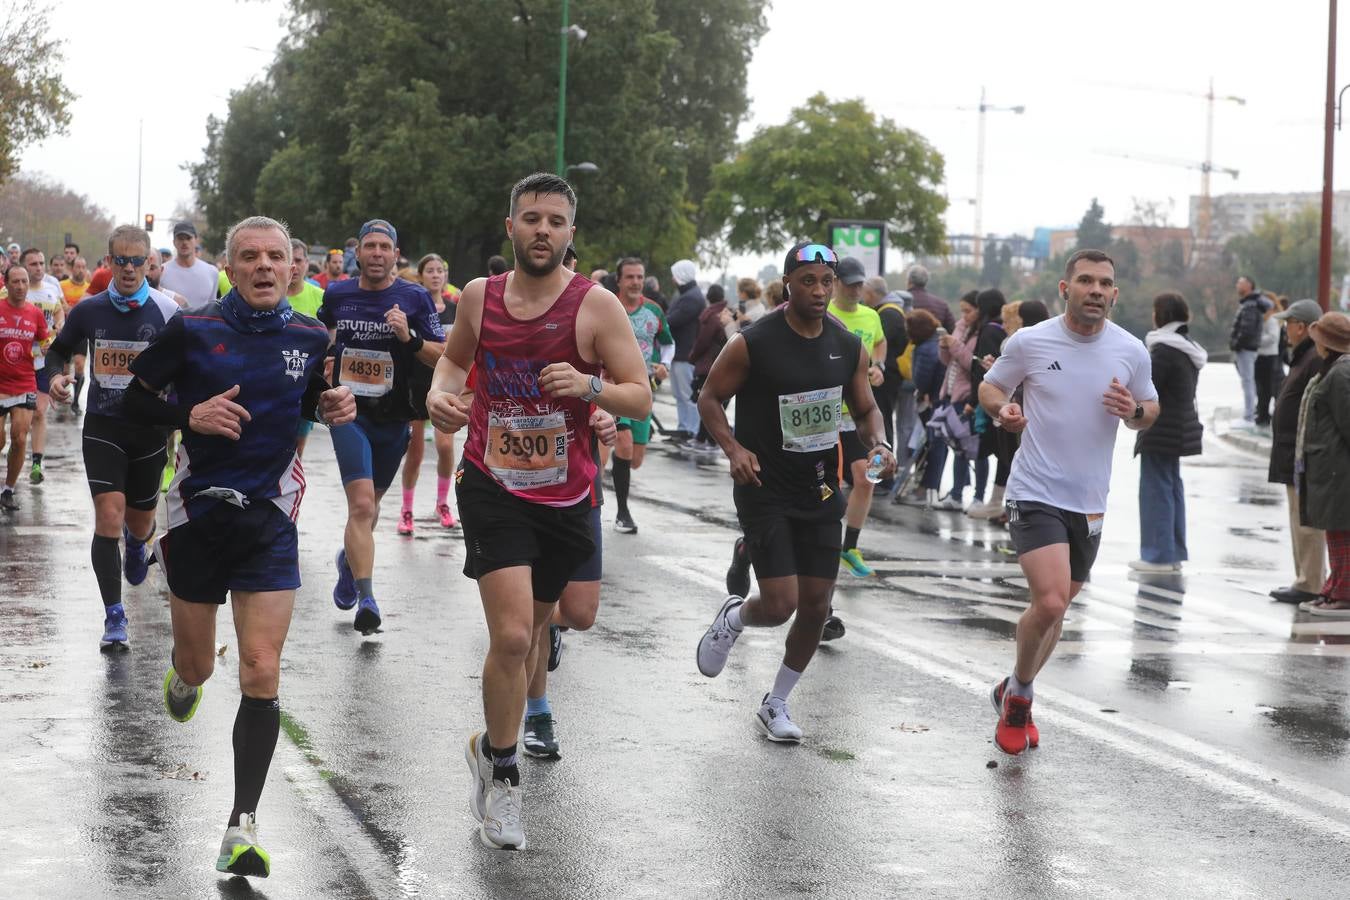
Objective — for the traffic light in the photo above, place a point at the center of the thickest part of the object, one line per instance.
(149, 221)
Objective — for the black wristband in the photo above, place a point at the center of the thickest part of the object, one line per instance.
(416, 343)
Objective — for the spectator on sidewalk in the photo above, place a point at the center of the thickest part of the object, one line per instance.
(1322, 458)
(1177, 432)
(716, 324)
(1309, 544)
(917, 281)
(683, 321)
(1269, 368)
(1245, 341)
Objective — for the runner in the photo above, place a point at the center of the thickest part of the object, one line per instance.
(245, 368)
(44, 292)
(433, 274)
(650, 328)
(538, 337)
(1081, 375)
(790, 374)
(76, 288)
(382, 328)
(21, 324)
(186, 273)
(305, 297)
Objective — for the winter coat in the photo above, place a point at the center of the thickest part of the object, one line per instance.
(709, 340)
(1303, 365)
(1177, 361)
(941, 309)
(1246, 334)
(1324, 486)
(928, 371)
(683, 318)
(956, 387)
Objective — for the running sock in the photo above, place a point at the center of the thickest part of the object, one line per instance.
(504, 766)
(105, 553)
(734, 617)
(623, 469)
(37, 459)
(181, 690)
(255, 738)
(851, 538)
(365, 587)
(1018, 689)
(538, 706)
(408, 499)
(784, 683)
(442, 489)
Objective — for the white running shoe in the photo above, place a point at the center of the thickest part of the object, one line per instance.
(503, 826)
(481, 767)
(240, 853)
(715, 645)
(949, 504)
(1140, 565)
(774, 721)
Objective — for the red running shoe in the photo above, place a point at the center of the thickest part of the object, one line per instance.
(1016, 731)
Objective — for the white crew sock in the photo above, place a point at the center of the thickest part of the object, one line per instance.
(734, 618)
(784, 683)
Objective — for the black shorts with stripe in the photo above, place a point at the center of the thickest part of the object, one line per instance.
(123, 458)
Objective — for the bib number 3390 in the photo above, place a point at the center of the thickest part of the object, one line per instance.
(367, 373)
(527, 451)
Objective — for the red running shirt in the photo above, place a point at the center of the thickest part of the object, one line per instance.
(536, 447)
(19, 328)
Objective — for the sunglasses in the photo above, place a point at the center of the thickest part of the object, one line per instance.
(816, 253)
(136, 261)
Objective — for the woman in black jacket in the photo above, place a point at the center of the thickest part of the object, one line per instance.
(1177, 361)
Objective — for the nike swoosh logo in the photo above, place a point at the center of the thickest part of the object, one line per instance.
(832, 356)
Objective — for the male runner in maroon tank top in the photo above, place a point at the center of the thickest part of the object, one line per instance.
(538, 337)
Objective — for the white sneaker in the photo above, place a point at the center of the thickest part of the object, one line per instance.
(503, 827)
(1140, 565)
(988, 510)
(715, 645)
(774, 721)
(481, 767)
(239, 851)
(949, 503)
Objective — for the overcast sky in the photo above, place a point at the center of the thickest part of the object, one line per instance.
(1085, 77)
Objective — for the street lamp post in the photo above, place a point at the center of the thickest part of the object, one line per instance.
(979, 169)
(564, 33)
(1328, 146)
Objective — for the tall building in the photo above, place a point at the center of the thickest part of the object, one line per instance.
(1234, 214)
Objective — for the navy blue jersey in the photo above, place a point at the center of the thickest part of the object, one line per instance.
(371, 361)
(112, 340)
(202, 354)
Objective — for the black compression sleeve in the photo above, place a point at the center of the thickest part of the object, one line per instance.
(140, 405)
(309, 403)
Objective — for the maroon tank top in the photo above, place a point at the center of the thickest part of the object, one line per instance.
(535, 446)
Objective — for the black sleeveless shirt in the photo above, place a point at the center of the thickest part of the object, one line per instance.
(787, 414)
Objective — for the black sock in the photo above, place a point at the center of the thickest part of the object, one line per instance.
(79, 385)
(37, 459)
(623, 469)
(106, 555)
(365, 587)
(504, 766)
(851, 538)
(255, 737)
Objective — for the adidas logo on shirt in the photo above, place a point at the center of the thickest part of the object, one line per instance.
(1055, 367)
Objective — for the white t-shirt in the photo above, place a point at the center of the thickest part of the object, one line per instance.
(1065, 456)
(198, 284)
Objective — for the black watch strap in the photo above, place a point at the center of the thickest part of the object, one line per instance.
(1138, 410)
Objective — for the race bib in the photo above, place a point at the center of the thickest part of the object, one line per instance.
(526, 452)
(810, 420)
(368, 373)
(112, 362)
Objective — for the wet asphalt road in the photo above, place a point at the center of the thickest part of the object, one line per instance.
(1194, 734)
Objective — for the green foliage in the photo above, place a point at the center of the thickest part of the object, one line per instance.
(998, 265)
(426, 113)
(1093, 232)
(1282, 254)
(38, 212)
(32, 94)
(829, 161)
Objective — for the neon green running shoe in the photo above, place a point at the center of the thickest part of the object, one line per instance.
(167, 478)
(853, 561)
(180, 704)
(240, 853)
(35, 474)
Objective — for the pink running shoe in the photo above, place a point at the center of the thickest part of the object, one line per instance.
(405, 522)
(446, 516)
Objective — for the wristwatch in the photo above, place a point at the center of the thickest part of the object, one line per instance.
(1138, 410)
(596, 387)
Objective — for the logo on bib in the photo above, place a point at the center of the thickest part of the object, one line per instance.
(295, 363)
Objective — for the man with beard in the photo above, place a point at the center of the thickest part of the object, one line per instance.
(538, 338)
(381, 327)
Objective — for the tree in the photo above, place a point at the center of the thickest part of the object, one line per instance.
(1281, 254)
(1093, 232)
(997, 264)
(39, 212)
(829, 161)
(32, 94)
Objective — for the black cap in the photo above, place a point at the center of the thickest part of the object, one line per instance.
(850, 271)
(184, 228)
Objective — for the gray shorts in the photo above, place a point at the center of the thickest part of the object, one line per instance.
(1035, 525)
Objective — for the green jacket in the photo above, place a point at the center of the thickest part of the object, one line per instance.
(1324, 486)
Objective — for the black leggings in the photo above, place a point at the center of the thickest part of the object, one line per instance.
(1267, 368)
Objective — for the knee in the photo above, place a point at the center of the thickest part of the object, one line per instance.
(1051, 607)
(108, 521)
(194, 669)
(260, 672)
(579, 618)
(776, 610)
(362, 508)
(512, 641)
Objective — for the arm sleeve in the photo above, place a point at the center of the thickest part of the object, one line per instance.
(140, 405)
(1141, 384)
(309, 403)
(667, 353)
(159, 364)
(1010, 369)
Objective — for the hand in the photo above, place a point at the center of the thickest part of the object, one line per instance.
(660, 372)
(968, 410)
(337, 406)
(448, 413)
(1118, 400)
(744, 466)
(220, 415)
(328, 369)
(888, 462)
(396, 319)
(605, 427)
(561, 380)
(726, 318)
(875, 376)
(987, 361)
(945, 342)
(58, 390)
(1010, 418)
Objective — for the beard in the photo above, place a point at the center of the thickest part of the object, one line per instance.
(536, 271)
(153, 282)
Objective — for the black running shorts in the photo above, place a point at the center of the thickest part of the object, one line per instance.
(231, 549)
(501, 530)
(125, 458)
(782, 545)
(1036, 525)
